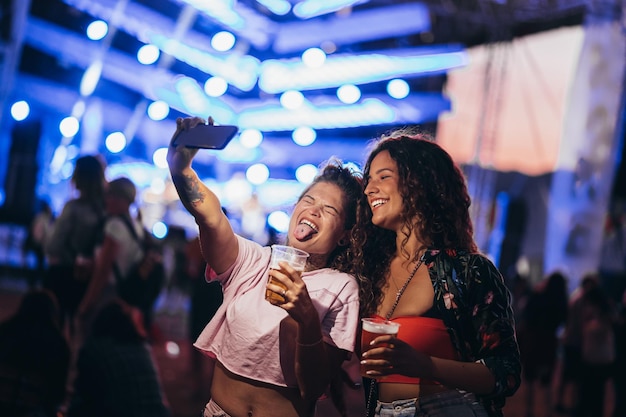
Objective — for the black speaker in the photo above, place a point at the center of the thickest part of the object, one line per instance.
(21, 177)
(6, 20)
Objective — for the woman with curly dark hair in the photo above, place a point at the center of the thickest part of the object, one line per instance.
(418, 265)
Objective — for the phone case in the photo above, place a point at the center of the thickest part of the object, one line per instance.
(206, 136)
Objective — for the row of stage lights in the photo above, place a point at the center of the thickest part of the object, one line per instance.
(233, 192)
(115, 142)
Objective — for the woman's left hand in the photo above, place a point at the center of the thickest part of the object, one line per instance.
(390, 355)
(296, 300)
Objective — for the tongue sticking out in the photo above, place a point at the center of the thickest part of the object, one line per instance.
(303, 232)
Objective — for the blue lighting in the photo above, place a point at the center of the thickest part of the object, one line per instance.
(148, 54)
(159, 157)
(314, 57)
(257, 174)
(278, 7)
(20, 110)
(90, 79)
(115, 142)
(215, 86)
(69, 126)
(278, 76)
(291, 99)
(238, 70)
(158, 110)
(223, 41)
(159, 230)
(398, 89)
(220, 10)
(97, 30)
(273, 118)
(349, 93)
(312, 8)
(251, 138)
(304, 136)
(279, 220)
(306, 173)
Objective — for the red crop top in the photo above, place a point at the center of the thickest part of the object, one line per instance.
(424, 334)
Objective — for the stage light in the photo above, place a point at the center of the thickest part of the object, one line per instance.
(279, 220)
(398, 88)
(304, 136)
(158, 110)
(20, 110)
(97, 30)
(349, 93)
(278, 7)
(312, 8)
(90, 78)
(148, 54)
(292, 74)
(313, 57)
(306, 173)
(159, 230)
(250, 138)
(215, 86)
(115, 142)
(159, 157)
(69, 126)
(291, 99)
(223, 41)
(257, 174)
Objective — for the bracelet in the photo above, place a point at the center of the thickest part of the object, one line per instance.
(310, 344)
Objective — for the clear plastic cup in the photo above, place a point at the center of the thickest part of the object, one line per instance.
(373, 327)
(296, 258)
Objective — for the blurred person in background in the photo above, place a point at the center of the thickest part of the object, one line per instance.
(571, 346)
(544, 314)
(116, 372)
(619, 374)
(34, 358)
(70, 246)
(597, 352)
(38, 233)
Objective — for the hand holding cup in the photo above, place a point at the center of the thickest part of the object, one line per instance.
(296, 258)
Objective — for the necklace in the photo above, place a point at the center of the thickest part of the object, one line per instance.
(401, 290)
(388, 316)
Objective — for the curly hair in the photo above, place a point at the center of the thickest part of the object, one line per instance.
(435, 206)
(350, 181)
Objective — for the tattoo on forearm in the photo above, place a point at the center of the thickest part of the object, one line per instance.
(188, 188)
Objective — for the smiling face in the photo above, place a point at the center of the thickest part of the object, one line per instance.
(383, 192)
(318, 219)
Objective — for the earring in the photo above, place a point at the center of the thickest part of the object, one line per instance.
(342, 242)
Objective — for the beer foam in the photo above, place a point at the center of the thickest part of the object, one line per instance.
(381, 327)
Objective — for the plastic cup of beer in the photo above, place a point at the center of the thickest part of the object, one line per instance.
(296, 258)
(373, 327)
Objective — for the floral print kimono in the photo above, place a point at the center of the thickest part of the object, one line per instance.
(475, 304)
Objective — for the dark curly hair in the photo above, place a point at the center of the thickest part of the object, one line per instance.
(435, 206)
(350, 181)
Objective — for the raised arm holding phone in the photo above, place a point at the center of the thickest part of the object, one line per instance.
(275, 356)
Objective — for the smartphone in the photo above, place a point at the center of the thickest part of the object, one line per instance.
(206, 136)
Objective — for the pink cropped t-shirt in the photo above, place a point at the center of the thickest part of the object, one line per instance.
(255, 339)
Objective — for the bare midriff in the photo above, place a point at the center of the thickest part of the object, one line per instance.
(243, 397)
(390, 391)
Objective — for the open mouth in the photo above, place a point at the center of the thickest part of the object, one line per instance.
(377, 203)
(305, 230)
